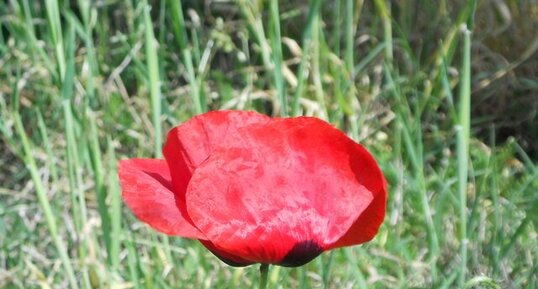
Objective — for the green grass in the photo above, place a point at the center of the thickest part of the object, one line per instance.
(85, 83)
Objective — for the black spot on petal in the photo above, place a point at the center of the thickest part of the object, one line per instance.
(302, 253)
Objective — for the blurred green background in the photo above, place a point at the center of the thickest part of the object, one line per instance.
(443, 93)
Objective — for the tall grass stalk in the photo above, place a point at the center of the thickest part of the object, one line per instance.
(97, 166)
(251, 11)
(115, 208)
(463, 158)
(349, 60)
(302, 73)
(276, 47)
(413, 141)
(356, 272)
(31, 35)
(44, 202)
(316, 67)
(154, 80)
(445, 52)
(74, 163)
(91, 55)
(463, 130)
(385, 14)
(133, 263)
(181, 36)
(271, 50)
(350, 33)
(53, 17)
(48, 147)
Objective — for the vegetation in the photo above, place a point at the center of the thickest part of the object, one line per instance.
(442, 92)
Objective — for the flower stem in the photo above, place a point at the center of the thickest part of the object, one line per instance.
(264, 270)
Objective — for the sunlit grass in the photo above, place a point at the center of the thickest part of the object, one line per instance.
(84, 84)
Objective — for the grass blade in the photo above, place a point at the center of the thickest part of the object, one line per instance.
(115, 208)
(53, 17)
(385, 14)
(463, 136)
(44, 202)
(313, 12)
(154, 79)
(276, 46)
(180, 32)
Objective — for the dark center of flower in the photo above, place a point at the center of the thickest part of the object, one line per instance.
(301, 253)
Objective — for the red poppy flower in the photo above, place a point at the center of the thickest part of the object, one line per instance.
(255, 189)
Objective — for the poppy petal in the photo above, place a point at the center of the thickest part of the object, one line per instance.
(224, 256)
(366, 226)
(147, 191)
(191, 143)
(281, 192)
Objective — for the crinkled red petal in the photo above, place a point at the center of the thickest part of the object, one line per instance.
(191, 143)
(367, 225)
(147, 191)
(282, 192)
